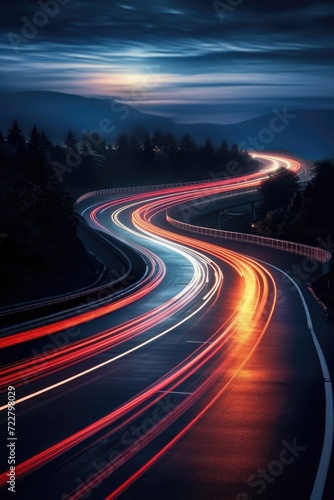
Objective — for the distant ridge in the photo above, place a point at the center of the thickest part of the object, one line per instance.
(305, 132)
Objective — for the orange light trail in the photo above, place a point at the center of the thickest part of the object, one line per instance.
(184, 193)
(224, 353)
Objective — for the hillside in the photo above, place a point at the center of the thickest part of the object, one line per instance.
(306, 133)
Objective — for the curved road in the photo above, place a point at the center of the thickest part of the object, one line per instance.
(203, 382)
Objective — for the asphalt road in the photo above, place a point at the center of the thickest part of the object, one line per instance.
(204, 383)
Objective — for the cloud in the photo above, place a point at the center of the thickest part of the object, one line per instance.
(102, 46)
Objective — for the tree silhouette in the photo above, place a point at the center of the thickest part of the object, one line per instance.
(277, 191)
(323, 194)
(308, 215)
(15, 143)
(37, 216)
(15, 138)
(147, 160)
(71, 141)
(188, 158)
(134, 158)
(206, 155)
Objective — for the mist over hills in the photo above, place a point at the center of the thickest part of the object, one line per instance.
(303, 132)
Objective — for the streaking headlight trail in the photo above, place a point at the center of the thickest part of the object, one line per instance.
(207, 325)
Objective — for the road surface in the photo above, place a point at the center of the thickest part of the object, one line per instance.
(204, 382)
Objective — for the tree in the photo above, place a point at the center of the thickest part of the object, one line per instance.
(187, 144)
(71, 141)
(2, 149)
(277, 191)
(206, 157)
(234, 150)
(41, 252)
(171, 154)
(271, 225)
(323, 194)
(15, 138)
(35, 158)
(158, 139)
(139, 133)
(147, 159)
(223, 149)
(188, 158)
(15, 143)
(308, 215)
(46, 145)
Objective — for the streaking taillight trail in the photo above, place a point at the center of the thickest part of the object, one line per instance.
(210, 367)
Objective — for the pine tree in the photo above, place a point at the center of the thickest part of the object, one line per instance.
(147, 160)
(71, 141)
(15, 138)
(46, 145)
(16, 147)
(188, 158)
(277, 191)
(207, 158)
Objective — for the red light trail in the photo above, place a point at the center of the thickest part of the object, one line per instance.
(228, 346)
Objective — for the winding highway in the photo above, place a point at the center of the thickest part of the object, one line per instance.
(211, 379)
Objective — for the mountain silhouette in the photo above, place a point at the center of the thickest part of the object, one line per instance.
(304, 132)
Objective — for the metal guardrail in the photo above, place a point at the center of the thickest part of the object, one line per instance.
(143, 189)
(137, 189)
(314, 253)
(92, 289)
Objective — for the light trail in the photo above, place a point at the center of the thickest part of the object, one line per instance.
(210, 367)
(250, 309)
(184, 193)
(32, 369)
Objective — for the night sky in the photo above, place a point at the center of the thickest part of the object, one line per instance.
(180, 58)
